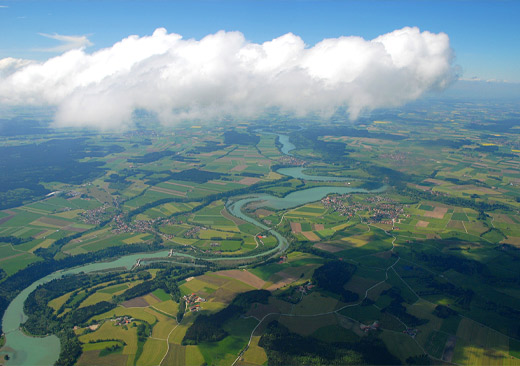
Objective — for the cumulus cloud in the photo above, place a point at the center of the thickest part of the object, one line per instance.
(223, 74)
(67, 42)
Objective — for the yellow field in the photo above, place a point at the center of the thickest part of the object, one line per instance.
(172, 208)
(69, 214)
(226, 287)
(296, 214)
(143, 217)
(226, 228)
(64, 312)
(196, 285)
(95, 234)
(138, 313)
(315, 205)
(340, 227)
(152, 300)
(134, 239)
(95, 298)
(153, 352)
(208, 234)
(311, 236)
(44, 244)
(109, 331)
(481, 345)
(178, 334)
(355, 241)
(176, 356)
(424, 310)
(274, 176)
(193, 356)
(183, 241)
(91, 358)
(44, 234)
(255, 354)
(474, 355)
(40, 223)
(57, 302)
(98, 346)
(294, 256)
(163, 327)
(237, 286)
(118, 292)
(213, 306)
(34, 210)
(168, 307)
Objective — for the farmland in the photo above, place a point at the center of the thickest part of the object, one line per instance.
(429, 226)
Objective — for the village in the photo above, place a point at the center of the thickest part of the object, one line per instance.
(291, 160)
(193, 302)
(95, 216)
(386, 211)
(193, 232)
(122, 320)
(140, 226)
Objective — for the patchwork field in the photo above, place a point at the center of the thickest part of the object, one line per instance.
(429, 246)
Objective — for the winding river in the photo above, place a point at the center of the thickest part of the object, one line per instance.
(26, 350)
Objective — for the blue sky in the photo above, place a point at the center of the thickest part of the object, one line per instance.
(484, 34)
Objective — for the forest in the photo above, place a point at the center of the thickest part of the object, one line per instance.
(53, 160)
(333, 275)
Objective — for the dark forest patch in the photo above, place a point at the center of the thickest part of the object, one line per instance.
(50, 161)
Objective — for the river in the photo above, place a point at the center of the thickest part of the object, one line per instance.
(286, 144)
(26, 350)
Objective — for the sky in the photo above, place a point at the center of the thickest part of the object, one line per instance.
(365, 54)
(484, 34)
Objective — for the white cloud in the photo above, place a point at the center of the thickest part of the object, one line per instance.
(10, 65)
(67, 42)
(224, 74)
(476, 78)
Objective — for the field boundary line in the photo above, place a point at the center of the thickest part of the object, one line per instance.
(168, 343)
